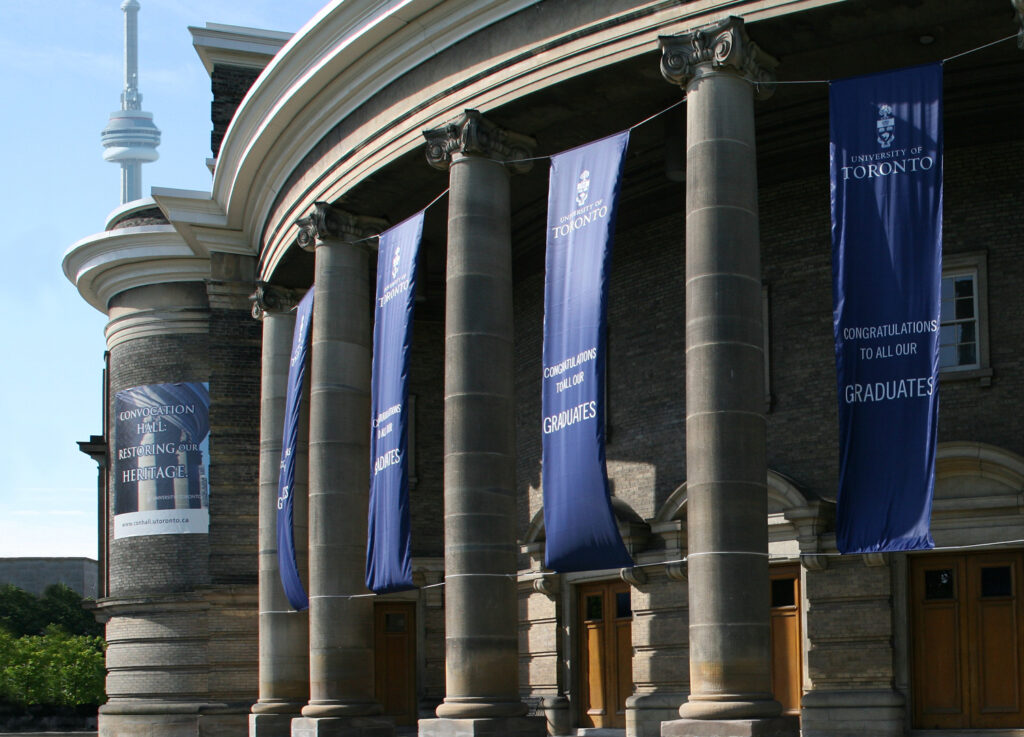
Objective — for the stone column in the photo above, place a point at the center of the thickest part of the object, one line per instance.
(341, 683)
(283, 632)
(727, 559)
(481, 609)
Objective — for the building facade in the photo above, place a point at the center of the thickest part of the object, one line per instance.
(319, 142)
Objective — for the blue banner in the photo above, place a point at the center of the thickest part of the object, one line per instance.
(886, 166)
(290, 579)
(388, 545)
(579, 525)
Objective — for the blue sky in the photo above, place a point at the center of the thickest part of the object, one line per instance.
(60, 78)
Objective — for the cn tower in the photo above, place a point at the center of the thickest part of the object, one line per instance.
(130, 138)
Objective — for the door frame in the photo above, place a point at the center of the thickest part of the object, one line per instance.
(574, 663)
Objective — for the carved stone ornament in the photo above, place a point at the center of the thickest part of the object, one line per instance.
(814, 561)
(548, 584)
(328, 222)
(1018, 5)
(474, 135)
(268, 298)
(721, 46)
(634, 576)
(676, 570)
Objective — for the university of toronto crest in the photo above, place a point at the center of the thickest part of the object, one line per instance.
(582, 188)
(886, 126)
(395, 261)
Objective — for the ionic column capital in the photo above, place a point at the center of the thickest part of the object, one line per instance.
(475, 135)
(328, 222)
(719, 47)
(268, 298)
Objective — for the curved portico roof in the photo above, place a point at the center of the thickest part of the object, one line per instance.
(364, 79)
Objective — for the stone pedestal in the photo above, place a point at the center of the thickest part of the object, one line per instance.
(342, 727)
(274, 725)
(727, 556)
(771, 727)
(481, 607)
(503, 727)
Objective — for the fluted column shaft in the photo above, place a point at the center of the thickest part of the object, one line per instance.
(481, 612)
(726, 508)
(283, 632)
(341, 656)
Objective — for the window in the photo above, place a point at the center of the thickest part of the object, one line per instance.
(963, 335)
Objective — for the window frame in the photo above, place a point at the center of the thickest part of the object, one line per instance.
(975, 264)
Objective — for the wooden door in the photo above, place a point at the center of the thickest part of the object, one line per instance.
(787, 671)
(606, 654)
(967, 641)
(394, 633)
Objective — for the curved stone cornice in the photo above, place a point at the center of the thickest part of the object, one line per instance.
(720, 46)
(356, 49)
(352, 49)
(475, 135)
(107, 263)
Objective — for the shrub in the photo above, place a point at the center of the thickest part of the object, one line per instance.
(54, 669)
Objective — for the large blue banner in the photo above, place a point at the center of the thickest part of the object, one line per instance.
(388, 554)
(579, 525)
(290, 579)
(886, 165)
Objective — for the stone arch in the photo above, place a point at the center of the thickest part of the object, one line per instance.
(634, 530)
(979, 494)
(783, 494)
(795, 519)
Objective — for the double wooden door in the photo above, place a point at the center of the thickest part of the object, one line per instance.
(967, 641)
(604, 621)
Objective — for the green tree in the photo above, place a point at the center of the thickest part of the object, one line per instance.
(62, 606)
(21, 613)
(52, 669)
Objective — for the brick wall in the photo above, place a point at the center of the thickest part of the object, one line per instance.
(229, 84)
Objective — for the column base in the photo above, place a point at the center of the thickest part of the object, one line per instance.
(768, 727)
(486, 727)
(372, 726)
(271, 725)
(646, 712)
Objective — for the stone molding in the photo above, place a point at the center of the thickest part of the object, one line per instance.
(475, 135)
(721, 46)
(330, 223)
(109, 263)
(151, 323)
(549, 584)
(635, 576)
